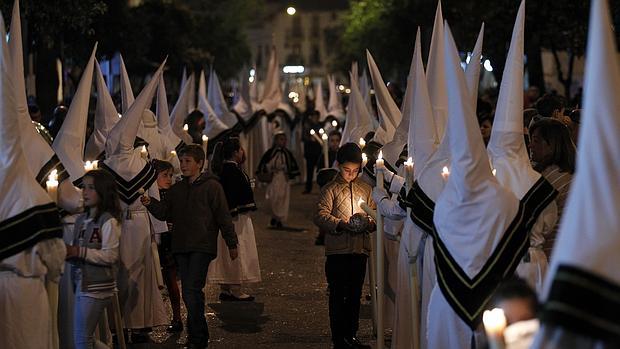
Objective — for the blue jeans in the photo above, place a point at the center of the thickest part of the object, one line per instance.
(193, 267)
(87, 312)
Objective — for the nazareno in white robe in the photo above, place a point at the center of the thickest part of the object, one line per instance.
(141, 303)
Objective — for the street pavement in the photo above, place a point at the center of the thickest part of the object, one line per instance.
(290, 310)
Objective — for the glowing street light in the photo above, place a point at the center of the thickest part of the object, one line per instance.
(291, 10)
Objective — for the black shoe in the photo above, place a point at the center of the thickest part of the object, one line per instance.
(175, 326)
(227, 297)
(279, 225)
(354, 343)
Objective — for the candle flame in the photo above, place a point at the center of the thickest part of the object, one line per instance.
(334, 123)
(494, 172)
(88, 163)
(205, 138)
(324, 137)
(53, 177)
(360, 202)
(362, 143)
(364, 157)
(312, 132)
(185, 128)
(445, 170)
(409, 162)
(143, 149)
(321, 131)
(380, 155)
(173, 153)
(494, 321)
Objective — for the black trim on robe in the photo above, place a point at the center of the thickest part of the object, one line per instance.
(467, 296)
(291, 164)
(128, 190)
(26, 229)
(422, 207)
(52, 164)
(371, 150)
(237, 188)
(583, 303)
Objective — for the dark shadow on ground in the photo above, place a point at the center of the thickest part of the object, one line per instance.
(240, 317)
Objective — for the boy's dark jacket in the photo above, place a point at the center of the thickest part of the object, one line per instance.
(197, 211)
(291, 164)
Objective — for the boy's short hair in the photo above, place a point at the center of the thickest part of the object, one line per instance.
(193, 150)
(335, 133)
(515, 287)
(349, 152)
(161, 166)
(549, 103)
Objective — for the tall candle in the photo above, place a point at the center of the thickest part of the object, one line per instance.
(364, 160)
(314, 135)
(52, 185)
(325, 151)
(409, 173)
(205, 146)
(380, 255)
(362, 143)
(494, 325)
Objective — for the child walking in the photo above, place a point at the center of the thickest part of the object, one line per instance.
(94, 254)
(197, 208)
(280, 162)
(165, 172)
(347, 244)
(229, 274)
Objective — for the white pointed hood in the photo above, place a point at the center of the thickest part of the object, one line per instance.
(123, 134)
(506, 147)
(127, 96)
(334, 106)
(272, 93)
(393, 149)
(191, 94)
(181, 110)
(184, 77)
(106, 117)
(39, 152)
(473, 211)
(584, 278)
(21, 196)
(389, 114)
(319, 102)
(435, 75)
(358, 120)
(472, 71)
(202, 85)
(215, 97)
(364, 86)
(69, 143)
(213, 126)
(243, 106)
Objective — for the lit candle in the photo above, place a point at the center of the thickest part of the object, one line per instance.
(321, 131)
(334, 123)
(494, 171)
(313, 134)
(88, 166)
(325, 151)
(185, 128)
(173, 154)
(409, 173)
(494, 325)
(144, 153)
(445, 173)
(364, 160)
(380, 256)
(95, 164)
(205, 146)
(362, 143)
(369, 211)
(52, 185)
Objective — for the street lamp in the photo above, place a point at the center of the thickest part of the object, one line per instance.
(291, 10)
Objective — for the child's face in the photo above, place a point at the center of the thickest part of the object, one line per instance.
(280, 141)
(189, 166)
(334, 142)
(164, 179)
(89, 194)
(349, 171)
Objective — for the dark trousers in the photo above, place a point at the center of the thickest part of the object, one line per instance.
(345, 277)
(311, 163)
(193, 268)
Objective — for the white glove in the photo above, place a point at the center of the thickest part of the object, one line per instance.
(387, 174)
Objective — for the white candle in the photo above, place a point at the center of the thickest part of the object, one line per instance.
(445, 173)
(205, 146)
(380, 255)
(88, 166)
(364, 207)
(362, 143)
(313, 134)
(52, 185)
(325, 151)
(144, 153)
(409, 173)
(95, 164)
(494, 325)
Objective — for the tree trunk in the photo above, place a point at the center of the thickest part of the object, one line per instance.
(46, 79)
(534, 63)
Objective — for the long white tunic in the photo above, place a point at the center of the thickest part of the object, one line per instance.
(279, 190)
(246, 268)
